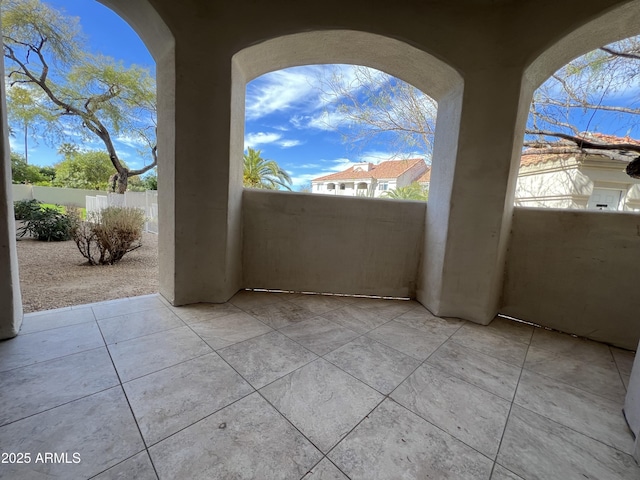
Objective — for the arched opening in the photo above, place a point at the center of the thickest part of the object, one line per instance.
(336, 123)
(152, 30)
(582, 133)
(545, 276)
(289, 243)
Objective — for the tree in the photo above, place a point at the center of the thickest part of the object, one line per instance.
(415, 191)
(373, 105)
(573, 111)
(90, 94)
(90, 170)
(25, 173)
(585, 107)
(306, 188)
(261, 173)
(26, 110)
(141, 184)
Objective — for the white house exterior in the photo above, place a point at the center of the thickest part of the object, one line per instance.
(369, 180)
(578, 181)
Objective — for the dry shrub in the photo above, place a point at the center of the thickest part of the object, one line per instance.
(105, 238)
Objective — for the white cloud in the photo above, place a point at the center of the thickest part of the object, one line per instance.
(260, 138)
(131, 141)
(340, 164)
(278, 91)
(300, 180)
(289, 143)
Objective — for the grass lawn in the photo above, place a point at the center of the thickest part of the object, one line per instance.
(63, 209)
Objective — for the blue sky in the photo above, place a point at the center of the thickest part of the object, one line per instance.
(285, 112)
(287, 115)
(110, 35)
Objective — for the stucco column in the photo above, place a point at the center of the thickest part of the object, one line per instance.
(201, 191)
(479, 132)
(10, 299)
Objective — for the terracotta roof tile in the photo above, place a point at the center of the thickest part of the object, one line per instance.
(388, 169)
(533, 156)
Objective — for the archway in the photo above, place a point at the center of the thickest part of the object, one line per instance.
(158, 39)
(395, 58)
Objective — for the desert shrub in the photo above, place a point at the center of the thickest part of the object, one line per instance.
(105, 239)
(23, 209)
(48, 224)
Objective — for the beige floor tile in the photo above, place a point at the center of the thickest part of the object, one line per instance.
(535, 447)
(263, 359)
(176, 397)
(36, 388)
(374, 363)
(248, 439)
(132, 325)
(322, 401)
(220, 332)
(478, 369)
(319, 335)
(417, 343)
(137, 467)
(55, 319)
(46, 345)
(590, 414)
(597, 377)
(148, 354)
(392, 440)
(100, 429)
(466, 412)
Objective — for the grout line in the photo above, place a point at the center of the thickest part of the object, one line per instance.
(120, 463)
(506, 423)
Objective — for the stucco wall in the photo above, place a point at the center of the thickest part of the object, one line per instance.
(318, 243)
(576, 272)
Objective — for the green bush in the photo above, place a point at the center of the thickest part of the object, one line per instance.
(106, 238)
(49, 225)
(24, 209)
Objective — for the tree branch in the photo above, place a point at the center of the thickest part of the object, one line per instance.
(583, 143)
(620, 54)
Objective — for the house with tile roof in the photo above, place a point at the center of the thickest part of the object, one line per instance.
(371, 180)
(562, 178)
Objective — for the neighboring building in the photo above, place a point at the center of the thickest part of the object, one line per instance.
(369, 180)
(425, 179)
(579, 181)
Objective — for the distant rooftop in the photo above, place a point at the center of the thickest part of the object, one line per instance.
(388, 169)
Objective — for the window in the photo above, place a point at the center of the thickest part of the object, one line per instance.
(342, 187)
(362, 186)
(331, 186)
(383, 186)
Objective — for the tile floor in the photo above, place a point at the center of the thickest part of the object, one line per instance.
(290, 386)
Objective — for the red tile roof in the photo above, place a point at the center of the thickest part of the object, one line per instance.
(388, 169)
(533, 156)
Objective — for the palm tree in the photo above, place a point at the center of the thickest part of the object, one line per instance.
(411, 192)
(261, 173)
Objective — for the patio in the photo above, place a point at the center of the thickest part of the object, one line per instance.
(292, 386)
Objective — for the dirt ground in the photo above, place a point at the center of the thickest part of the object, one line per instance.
(55, 274)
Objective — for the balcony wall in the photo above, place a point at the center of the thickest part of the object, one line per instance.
(576, 272)
(319, 243)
